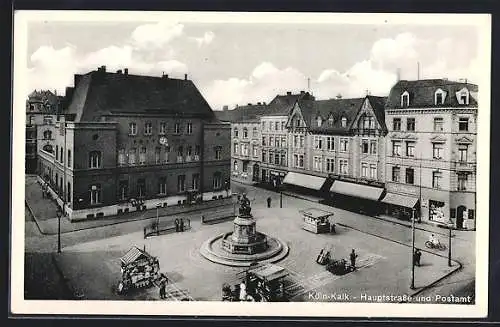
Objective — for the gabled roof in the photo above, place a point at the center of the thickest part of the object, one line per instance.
(99, 91)
(242, 113)
(133, 255)
(378, 105)
(422, 92)
(282, 104)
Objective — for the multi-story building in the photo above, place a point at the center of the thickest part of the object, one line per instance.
(129, 142)
(40, 108)
(431, 151)
(245, 151)
(342, 141)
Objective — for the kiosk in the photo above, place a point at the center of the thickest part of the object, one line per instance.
(316, 220)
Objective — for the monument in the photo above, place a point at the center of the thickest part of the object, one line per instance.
(244, 245)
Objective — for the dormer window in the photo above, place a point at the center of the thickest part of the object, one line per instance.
(319, 121)
(330, 120)
(463, 96)
(405, 99)
(344, 122)
(439, 97)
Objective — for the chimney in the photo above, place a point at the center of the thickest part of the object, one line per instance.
(258, 103)
(225, 108)
(249, 104)
(164, 75)
(302, 92)
(185, 77)
(103, 68)
(288, 93)
(125, 71)
(119, 71)
(76, 79)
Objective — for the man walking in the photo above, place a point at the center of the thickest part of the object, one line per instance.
(353, 257)
(417, 257)
(163, 293)
(269, 202)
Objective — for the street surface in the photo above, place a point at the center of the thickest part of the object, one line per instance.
(382, 247)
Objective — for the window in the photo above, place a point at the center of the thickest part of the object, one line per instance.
(271, 126)
(255, 151)
(235, 148)
(330, 120)
(438, 124)
(235, 165)
(395, 174)
(61, 155)
(163, 128)
(47, 135)
(132, 129)
(244, 149)
(330, 165)
(436, 179)
(263, 141)
(464, 98)
(271, 157)
(69, 158)
(372, 122)
(177, 128)
(396, 148)
(343, 145)
(131, 156)
(364, 146)
(329, 143)
(439, 98)
(343, 167)
(301, 138)
(254, 132)
(344, 122)
(123, 190)
(462, 181)
(235, 132)
(276, 142)
(189, 150)
(95, 194)
(181, 183)
(373, 171)
(364, 170)
(263, 125)
(95, 159)
(148, 128)
(319, 142)
(57, 152)
(245, 166)
(410, 173)
(405, 99)
(165, 156)
(195, 185)
(121, 157)
(190, 128)
(437, 150)
(271, 140)
(462, 152)
(218, 153)
(396, 124)
(317, 163)
(410, 149)
(277, 125)
(141, 188)
(162, 185)
(471, 213)
(283, 141)
(264, 156)
(366, 122)
(283, 159)
(296, 141)
(68, 192)
(197, 150)
(298, 160)
(373, 147)
(142, 156)
(410, 124)
(157, 155)
(217, 181)
(463, 124)
(283, 126)
(319, 121)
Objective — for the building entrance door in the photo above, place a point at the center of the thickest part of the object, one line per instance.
(460, 216)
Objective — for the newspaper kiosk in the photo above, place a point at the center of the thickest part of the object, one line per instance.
(139, 269)
(316, 220)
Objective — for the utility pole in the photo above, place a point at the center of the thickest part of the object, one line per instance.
(412, 285)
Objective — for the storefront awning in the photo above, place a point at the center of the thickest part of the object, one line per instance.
(357, 190)
(303, 180)
(400, 200)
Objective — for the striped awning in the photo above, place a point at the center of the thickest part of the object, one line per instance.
(357, 190)
(400, 200)
(303, 180)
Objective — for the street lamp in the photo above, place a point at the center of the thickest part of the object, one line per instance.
(450, 224)
(157, 219)
(412, 286)
(59, 215)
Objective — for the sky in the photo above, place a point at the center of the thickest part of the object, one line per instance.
(240, 63)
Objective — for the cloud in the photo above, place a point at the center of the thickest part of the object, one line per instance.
(156, 35)
(206, 39)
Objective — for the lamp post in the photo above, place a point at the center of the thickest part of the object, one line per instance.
(449, 243)
(412, 285)
(59, 214)
(157, 219)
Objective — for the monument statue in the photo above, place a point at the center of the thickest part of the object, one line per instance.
(245, 208)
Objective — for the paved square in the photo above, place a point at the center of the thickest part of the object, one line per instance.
(383, 265)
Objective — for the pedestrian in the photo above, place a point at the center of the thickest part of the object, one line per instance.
(176, 225)
(269, 202)
(181, 225)
(163, 293)
(353, 257)
(418, 255)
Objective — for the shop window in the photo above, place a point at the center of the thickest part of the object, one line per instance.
(217, 181)
(162, 186)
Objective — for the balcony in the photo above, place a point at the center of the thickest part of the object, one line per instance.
(463, 166)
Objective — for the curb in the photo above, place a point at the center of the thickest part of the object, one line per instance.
(34, 218)
(115, 222)
(423, 288)
(71, 291)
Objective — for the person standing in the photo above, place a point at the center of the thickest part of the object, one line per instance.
(181, 225)
(269, 202)
(163, 293)
(418, 255)
(353, 257)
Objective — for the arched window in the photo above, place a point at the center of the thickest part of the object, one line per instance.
(47, 135)
(235, 165)
(95, 159)
(245, 132)
(405, 99)
(235, 132)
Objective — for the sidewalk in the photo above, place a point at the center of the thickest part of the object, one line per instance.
(44, 212)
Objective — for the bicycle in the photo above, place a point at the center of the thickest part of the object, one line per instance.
(440, 246)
